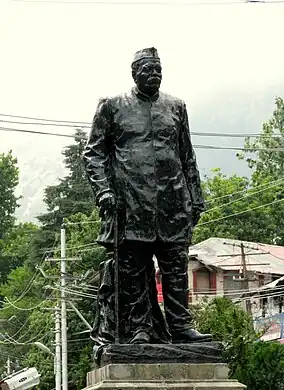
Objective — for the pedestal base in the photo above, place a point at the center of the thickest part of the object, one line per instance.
(206, 352)
(165, 376)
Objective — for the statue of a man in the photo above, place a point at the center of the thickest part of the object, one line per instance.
(141, 164)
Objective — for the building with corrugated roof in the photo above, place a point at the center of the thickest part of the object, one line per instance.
(217, 267)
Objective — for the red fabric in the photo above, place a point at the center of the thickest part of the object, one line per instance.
(159, 287)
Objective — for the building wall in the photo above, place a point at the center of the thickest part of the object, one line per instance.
(203, 282)
(220, 283)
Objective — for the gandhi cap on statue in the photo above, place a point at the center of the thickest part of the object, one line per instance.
(148, 53)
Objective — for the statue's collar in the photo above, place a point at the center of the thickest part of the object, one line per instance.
(145, 97)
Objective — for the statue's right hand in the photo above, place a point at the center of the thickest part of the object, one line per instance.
(107, 204)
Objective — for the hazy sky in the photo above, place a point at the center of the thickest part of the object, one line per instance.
(58, 58)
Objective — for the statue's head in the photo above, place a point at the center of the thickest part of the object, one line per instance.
(147, 70)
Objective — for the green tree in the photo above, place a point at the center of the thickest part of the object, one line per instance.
(9, 175)
(266, 163)
(15, 248)
(22, 319)
(72, 195)
(9, 178)
(258, 365)
(40, 328)
(225, 216)
(229, 324)
(82, 233)
(265, 367)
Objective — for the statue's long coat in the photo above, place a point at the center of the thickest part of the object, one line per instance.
(140, 148)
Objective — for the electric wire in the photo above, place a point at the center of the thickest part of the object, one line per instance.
(240, 212)
(155, 3)
(197, 146)
(241, 198)
(25, 292)
(29, 342)
(69, 291)
(242, 191)
(207, 222)
(44, 119)
(21, 328)
(201, 134)
(25, 309)
(44, 124)
(28, 288)
(253, 292)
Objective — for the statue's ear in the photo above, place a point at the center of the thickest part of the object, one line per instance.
(134, 72)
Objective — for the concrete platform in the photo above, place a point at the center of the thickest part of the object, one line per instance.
(164, 376)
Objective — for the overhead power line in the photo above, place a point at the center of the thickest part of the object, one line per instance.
(198, 133)
(209, 147)
(212, 220)
(43, 119)
(241, 212)
(36, 132)
(243, 197)
(236, 135)
(245, 190)
(215, 147)
(160, 3)
(45, 124)
(87, 125)
(24, 308)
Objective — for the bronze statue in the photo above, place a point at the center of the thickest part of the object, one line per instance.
(142, 168)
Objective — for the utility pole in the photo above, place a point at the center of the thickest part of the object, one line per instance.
(63, 311)
(243, 265)
(245, 277)
(57, 357)
(8, 366)
(61, 350)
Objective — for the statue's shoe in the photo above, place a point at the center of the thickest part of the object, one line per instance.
(190, 336)
(141, 338)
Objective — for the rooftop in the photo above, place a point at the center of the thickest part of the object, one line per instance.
(226, 254)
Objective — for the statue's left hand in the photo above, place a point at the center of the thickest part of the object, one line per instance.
(107, 205)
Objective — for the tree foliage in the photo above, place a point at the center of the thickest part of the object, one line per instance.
(258, 365)
(249, 213)
(73, 193)
(9, 178)
(230, 324)
(15, 248)
(70, 196)
(264, 368)
(266, 163)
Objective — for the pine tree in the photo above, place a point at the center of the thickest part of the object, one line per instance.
(72, 195)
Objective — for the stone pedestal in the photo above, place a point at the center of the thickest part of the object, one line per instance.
(165, 376)
(197, 366)
(206, 352)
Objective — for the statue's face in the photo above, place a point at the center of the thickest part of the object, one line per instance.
(148, 75)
